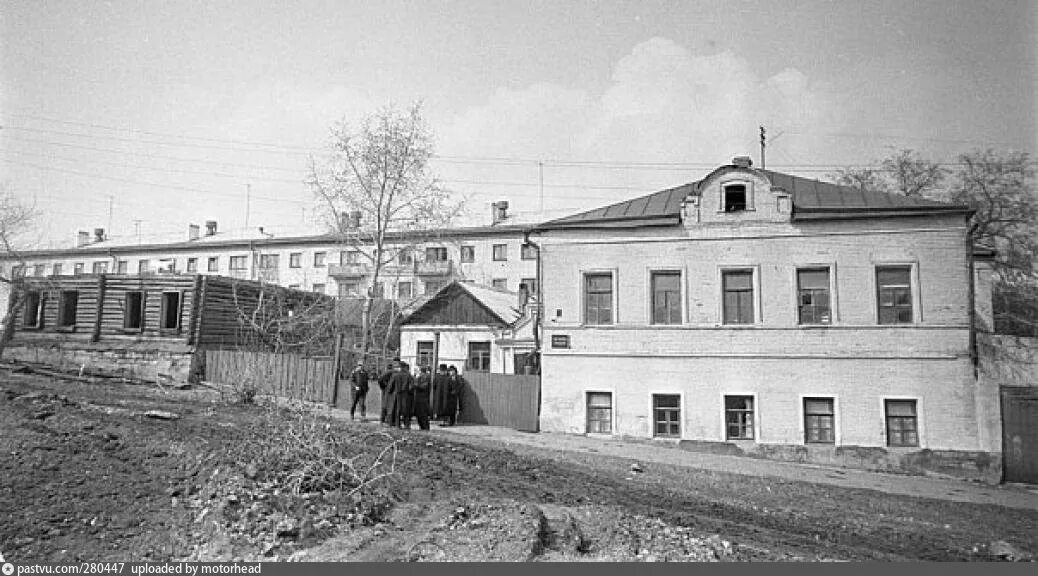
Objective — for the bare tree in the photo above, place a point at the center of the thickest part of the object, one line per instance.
(867, 179)
(904, 172)
(17, 220)
(380, 197)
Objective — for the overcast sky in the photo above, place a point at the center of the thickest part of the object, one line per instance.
(166, 111)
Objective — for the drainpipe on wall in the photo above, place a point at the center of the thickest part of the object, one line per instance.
(540, 295)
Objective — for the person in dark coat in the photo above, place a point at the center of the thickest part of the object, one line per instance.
(359, 380)
(422, 386)
(439, 393)
(387, 400)
(455, 388)
(402, 386)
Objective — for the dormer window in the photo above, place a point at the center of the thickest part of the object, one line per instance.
(735, 198)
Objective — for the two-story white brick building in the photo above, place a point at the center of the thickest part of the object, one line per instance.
(759, 312)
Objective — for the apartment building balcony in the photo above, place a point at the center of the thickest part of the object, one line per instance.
(435, 268)
(348, 270)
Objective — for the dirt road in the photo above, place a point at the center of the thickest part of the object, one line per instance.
(88, 476)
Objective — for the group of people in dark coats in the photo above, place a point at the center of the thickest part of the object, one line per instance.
(405, 396)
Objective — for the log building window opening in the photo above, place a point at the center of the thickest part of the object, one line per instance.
(819, 421)
(735, 198)
(738, 417)
(813, 301)
(738, 296)
(902, 423)
(894, 294)
(599, 412)
(33, 316)
(170, 310)
(67, 304)
(479, 357)
(133, 313)
(666, 415)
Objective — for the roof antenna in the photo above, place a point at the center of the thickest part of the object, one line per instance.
(763, 144)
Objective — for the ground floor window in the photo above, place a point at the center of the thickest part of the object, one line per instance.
(424, 354)
(902, 423)
(479, 357)
(599, 413)
(738, 417)
(666, 415)
(819, 421)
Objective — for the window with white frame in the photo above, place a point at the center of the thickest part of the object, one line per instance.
(902, 422)
(404, 290)
(468, 254)
(600, 413)
(666, 415)
(814, 305)
(737, 303)
(738, 417)
(819, 421)
(598, 298)
(239, 263)
(295, 260)
(479, 357)
(213, 265)
(499, 283)
(894, 294)
(500, 252)
(666, 297)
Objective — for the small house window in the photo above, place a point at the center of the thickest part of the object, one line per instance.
(894, 286)
(403, 290)
(133, 313)
(170, 310)
(192, 264)
(666, 415)
(295, 260)
(738, 417)
(738, 296)
(100, 267)
(735, 198)
(424, 354)
(38, 270)
(67, 304)
(214, 264)
(77, 268)
(600, 413)
(468, 254)
(33, 316)
(819, 421)
(270, 261)
(319, 259)
(528, 252)
(56, 270)
(598, 298)
(813, 296)
(239, 262)
(500, 252)
(902, 423)
(666, 297)
(143, 267)
(499, 283)
(479, 357)
(531, 285)
(122, 267)
(405, 257)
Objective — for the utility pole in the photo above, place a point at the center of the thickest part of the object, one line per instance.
(540, 171)
(763, 144)
(248, 193)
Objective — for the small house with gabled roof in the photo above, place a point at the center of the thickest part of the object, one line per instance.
(474, 328)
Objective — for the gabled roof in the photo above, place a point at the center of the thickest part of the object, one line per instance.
(812, 200)
(499, 306)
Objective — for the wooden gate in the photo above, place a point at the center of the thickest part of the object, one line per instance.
(505, 400)
(1020, 434)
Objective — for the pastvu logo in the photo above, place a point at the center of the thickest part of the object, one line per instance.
(7, 567)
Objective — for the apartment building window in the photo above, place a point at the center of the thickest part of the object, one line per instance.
(319, 259)
(738, 296)
(500, 252)
(436, 254)
(378, 290)
(192, 264)
(143, 267)
(404, 290)
(600, 413)
(405, 257)
(270, 261)
(424, 353)
(349, 290)
(819, 421)
(894, 294)
(38, 270)
(33, 314)
(349, 257)
(813, 299)
(500, 283)
(295, 260)
(239, 263)
(666, 297)
(100, 267)
(77, 268)
(67, 304)
(468, 254)
(133, 311)
(902, 423)
(531, 285)
(528, 252)
(214, 264)
(666, 415)
(735, 198)
(319, 288)
(122, 267)
(738, 417)
(56, 270)
(171, 309)
(432, 287)
(479, 357)
(598, 298)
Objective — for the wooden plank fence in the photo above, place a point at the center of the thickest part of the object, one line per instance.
(285, 375)
(508, 400)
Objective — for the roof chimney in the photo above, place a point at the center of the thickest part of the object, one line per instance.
(742, 161)
(99, 234)
(210, 227)
(498, 212)
(82, 238)
(192, 232)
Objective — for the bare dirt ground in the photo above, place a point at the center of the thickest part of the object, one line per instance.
(87, 476)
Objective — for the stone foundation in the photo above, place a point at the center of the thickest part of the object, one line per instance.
(164, 363)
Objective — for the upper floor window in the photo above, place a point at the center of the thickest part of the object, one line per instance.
(531, 285)
(468, 254)
(349, 257)
(319, 259)
(666, 297)
(405, 257)
(38, 270)
(192, 264)
(813, 301)
(500, 252)
(100, 267)
(77, 268)
(122, 267)
(295, 260)
(528, 252)
(213, 264)
(143, 267)
(735, 198)
(404, 290)
(56, 270)
(737, 286)
(598, 298)
(436, 254)
(18, 271)
(894, 294)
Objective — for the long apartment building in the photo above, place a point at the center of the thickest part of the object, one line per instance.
(493, 255)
